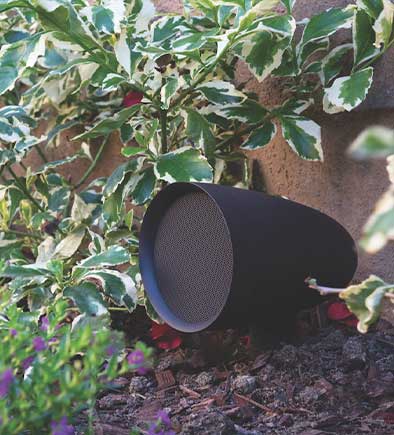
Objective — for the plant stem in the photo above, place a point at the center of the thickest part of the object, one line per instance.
(93, 164)
(41, 154)
(163, 124)
(324, 291)
(21, 233)
(23, 166)
(24, 190)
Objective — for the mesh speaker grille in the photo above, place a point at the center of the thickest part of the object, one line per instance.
(193, 258)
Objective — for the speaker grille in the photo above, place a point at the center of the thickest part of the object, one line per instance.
(193, 258)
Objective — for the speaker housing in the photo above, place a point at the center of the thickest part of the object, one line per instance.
(218, 256)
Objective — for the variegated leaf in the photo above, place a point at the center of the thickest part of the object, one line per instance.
(350, 91)
(304, 137)
(199, 130)
(333, 63)
(220, 92)
(184, 164)
(374, 142)
(87, 298)
(379, 228)
(249, 111)
(70, 244)
(365, 300)
(15, 58)
(384, 24)
(327, 23)
(118, 286)
(363, 38)
(113, 256)
(260, 137)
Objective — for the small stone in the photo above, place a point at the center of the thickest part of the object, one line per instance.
(385, 364)
(205, 379)
(244, 384)
(139, 384)
(208, 423)
(354, 353)
(287, 355)
(286, 420)
(310, 394)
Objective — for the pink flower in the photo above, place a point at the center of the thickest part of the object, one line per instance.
(132, 98)
(6, 379)
(44, 323)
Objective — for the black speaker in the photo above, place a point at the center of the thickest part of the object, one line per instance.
(213, 255)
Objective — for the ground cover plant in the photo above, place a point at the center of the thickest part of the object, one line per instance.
(164, 84)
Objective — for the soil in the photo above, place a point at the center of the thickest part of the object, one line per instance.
(329, 381)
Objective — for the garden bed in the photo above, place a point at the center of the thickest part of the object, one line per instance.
(334, 381)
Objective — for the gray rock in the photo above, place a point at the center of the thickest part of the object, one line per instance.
(244, 384)
(213, 423)
(354, 353)
(287, 355)
(139, 384)
(386, 364)
(204, 379)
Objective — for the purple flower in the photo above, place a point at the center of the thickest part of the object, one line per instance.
(111, 350)
(137, 360)
(6, 379)
(39, 344)
(44, 323)
(13, 332)
(62, 427)
(163, 417)
(26, 363)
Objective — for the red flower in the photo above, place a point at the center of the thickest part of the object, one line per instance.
(132, 98)
(165, 336)
(338, 311)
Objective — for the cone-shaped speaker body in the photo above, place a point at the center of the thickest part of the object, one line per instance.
(217, 255)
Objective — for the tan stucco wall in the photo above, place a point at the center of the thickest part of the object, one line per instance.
(344, 189)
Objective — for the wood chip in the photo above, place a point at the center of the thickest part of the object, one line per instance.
(190, 392)
(164, 379)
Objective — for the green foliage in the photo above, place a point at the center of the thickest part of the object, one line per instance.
(51, 370)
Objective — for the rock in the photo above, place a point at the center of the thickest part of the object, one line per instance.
(205, 422)
(244, 384)
(286, 420)
(139, 384)
(385, 364)
(310, 394)
(204, 379)
(287, 355)
(354, 353)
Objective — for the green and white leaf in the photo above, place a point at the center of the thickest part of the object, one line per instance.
(374, 142)
(113, 256)
(327, 23)
(70, 244)
(372, 7)
(184, 164)
(350, 91)
(143, 187)
(118, 286)
(303, 136)
(379, 229)
(15, 58)
(363, 38)
(249, 111)
(117, 177)
(81, 211)
(333, 63)
(384, 24)
(365, 300)
(109, 124)
(199, 130)
(168, 90)
(87, 298)
(260, 137)
(263, 53)
(220, 92)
